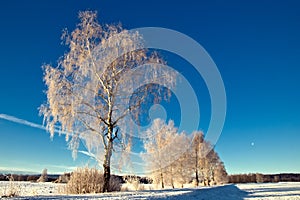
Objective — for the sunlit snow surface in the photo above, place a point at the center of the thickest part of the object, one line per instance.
(228, 192)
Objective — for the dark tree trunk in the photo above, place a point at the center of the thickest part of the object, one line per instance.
(106, 163)
(162, 180)
(196, 165)
(197, 178)
(106, 178)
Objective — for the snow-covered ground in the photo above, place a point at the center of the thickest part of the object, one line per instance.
(271, 191)
(227, 192)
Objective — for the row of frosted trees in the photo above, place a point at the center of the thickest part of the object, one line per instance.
(174, 159)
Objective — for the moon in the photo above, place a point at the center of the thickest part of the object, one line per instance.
(252, 143)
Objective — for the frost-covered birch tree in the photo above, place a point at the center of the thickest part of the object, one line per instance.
(182, 161)
(221, 176)
(212, 168)
(206, 163)
(158, 147)
(196, 148)
(177, 159)
(167, 154)
(87, 92)
(211, 161)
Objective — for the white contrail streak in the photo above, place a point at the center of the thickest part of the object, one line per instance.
(30, 124)
(21, 121)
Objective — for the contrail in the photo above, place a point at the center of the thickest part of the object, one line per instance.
(27, 123)
(21, 121)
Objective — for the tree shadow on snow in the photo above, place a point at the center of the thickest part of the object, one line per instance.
(226, 192)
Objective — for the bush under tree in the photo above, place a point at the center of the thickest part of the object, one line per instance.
(90, 180)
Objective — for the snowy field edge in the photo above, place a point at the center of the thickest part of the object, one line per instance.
(282, 190)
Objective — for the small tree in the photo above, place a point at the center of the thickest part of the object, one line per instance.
(87, 93)
(259, 178)
(44, 176)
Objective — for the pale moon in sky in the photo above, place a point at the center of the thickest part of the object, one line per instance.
(252, 143)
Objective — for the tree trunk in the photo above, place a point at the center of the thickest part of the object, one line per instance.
(172, 180)
(197, 177)
(162, 180)
(106, 163)
(106, 178)
(196, 168)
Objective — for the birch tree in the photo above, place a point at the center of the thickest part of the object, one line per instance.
(177, 159)
(182, 162)
(158, 145)
(85, 91)
(196, 148)
(211, 162)
(221, 176)
(213, 168)
(167, 155)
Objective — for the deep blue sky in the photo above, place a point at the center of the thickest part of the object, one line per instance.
(255, 44)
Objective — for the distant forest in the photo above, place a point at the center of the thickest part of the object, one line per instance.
(63, 178)
(263, 178)
(236, 178)
(22, 177)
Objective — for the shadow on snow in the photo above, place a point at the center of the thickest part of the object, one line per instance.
(227, 192)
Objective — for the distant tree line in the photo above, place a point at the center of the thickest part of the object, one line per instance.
(24, 177)
(263, 178)
(43, 177)
(64, 178)
(236, 178)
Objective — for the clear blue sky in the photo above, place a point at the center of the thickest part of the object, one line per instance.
(255, 44)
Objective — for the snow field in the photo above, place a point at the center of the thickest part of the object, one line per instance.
(272, 191)
(30, 189)
(261, 191)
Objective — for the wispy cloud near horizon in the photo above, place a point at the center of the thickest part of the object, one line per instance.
(37, 168)
(16, 170)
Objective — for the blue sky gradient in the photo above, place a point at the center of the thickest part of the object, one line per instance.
(255, 44)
